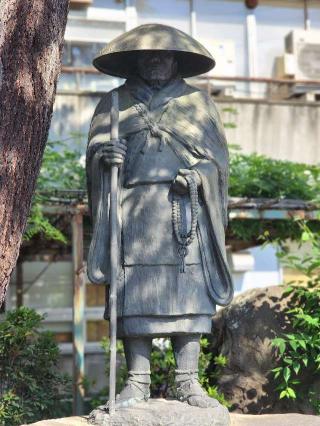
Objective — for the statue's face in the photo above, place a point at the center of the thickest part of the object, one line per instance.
(157, 66)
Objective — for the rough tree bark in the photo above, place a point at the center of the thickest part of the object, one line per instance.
(31, 40)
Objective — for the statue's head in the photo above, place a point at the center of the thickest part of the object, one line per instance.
(156, 67)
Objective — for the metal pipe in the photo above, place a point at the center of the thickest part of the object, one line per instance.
(252, 44)
(131, 14)
(251, 48)
(79, 325)
(84, 70)
(91, 70)
(193, 21)
(19, 284)
(260, 80)
(306, 15)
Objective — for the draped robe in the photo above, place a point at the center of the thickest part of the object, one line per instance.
(166, 130)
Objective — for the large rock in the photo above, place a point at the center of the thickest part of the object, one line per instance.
(243, 333)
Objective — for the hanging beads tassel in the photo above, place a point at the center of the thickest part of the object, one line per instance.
(184, 238)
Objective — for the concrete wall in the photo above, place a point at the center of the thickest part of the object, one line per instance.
(282, 130)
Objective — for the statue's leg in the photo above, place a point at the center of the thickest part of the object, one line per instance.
(186, 351)
(137, 388)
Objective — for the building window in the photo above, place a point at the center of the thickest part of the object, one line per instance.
(80, 54)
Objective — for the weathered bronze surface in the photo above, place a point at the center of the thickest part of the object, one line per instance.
(173, 162)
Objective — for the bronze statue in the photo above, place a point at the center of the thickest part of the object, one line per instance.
(173, 171)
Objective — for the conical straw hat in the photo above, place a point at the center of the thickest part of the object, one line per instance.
(119, 57)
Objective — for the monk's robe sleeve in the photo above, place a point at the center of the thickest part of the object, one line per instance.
(99, 133)
(213, 173)
(98, 183)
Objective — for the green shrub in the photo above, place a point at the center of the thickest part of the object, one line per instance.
(31, 387)
(258, 176)
(61, 168)
(298, 353)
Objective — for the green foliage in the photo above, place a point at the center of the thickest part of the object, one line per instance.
(62, 168)
(162, 372)
(207, 376)
(31, 388)
(257, 176)
(268, 231)
(38, 223)
(299, 352)
(229, 124)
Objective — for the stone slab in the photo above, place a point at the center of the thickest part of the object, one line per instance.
(173, 413)
(67, 421)
(156, 412)
(290, 419)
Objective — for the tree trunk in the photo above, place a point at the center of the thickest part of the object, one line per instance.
(31, 40)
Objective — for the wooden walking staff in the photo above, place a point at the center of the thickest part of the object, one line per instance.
(114, 255)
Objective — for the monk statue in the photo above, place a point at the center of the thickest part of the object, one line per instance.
(173, 177)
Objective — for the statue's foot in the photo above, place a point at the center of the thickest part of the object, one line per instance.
(191, 392)
(131, 394)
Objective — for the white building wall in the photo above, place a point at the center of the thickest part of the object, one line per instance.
(220, 20)
(265, 271)
(167, 12)
(222, 25)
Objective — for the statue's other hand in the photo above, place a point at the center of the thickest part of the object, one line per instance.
(180, 184)
(113, 152)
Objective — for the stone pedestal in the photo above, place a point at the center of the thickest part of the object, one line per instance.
(161, 412)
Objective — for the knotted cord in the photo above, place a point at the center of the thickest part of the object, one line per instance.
(155, 129)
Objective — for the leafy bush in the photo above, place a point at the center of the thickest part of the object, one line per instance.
(31, 388)
(39, 223)
(257, 176)
(299, 352)
(62, 168)
(162, 371)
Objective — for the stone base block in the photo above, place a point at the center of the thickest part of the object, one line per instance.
(161, 412)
